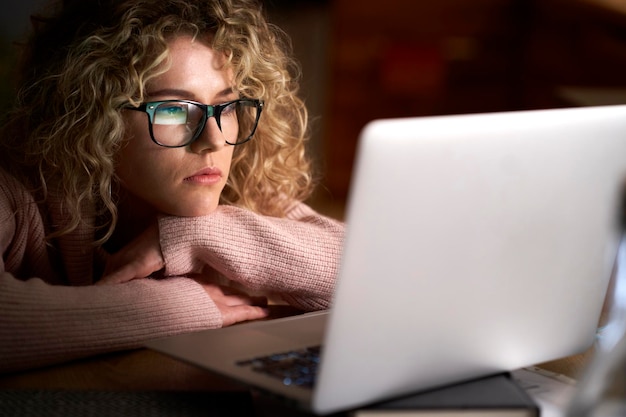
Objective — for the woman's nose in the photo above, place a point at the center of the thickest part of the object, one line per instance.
(211, 138)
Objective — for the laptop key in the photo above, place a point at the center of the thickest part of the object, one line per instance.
(296, 367)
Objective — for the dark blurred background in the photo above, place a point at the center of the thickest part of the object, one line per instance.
(368, 59)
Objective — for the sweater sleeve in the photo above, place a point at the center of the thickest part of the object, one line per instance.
(43, 324)
(296, 257)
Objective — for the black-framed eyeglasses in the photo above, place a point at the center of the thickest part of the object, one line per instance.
(178, 123)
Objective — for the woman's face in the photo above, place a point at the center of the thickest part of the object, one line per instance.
(183, 181)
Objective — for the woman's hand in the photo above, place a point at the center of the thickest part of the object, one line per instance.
(235, 306)
(139, 259)
(143, 257)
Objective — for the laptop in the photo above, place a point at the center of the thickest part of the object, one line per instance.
(475, 244)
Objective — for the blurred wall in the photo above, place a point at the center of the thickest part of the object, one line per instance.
(14, 24)
(401, 58)
(14, 19)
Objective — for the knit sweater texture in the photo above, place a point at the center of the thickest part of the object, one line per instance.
(51, 312)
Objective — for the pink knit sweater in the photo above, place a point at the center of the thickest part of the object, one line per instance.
(50, 312)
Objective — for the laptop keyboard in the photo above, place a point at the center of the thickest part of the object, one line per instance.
(295, 367)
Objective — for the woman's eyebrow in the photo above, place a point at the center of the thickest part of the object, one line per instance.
(226, 92)
(173, 92)
(169, 92)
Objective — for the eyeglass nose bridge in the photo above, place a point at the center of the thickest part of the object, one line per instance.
(209, 111)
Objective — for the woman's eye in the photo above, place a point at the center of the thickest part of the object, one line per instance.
(230, 109)
(168, 114)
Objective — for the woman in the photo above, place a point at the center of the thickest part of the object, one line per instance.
(154, 161)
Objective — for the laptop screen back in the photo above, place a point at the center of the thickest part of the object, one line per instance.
(475, 244)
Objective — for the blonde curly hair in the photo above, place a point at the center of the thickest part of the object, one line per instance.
(82, 66)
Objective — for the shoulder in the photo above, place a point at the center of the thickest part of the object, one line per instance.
(17, 205)
(302, 212)
(13, 194)
(18, 214)
(299, 210)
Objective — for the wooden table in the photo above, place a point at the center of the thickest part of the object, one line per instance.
(135, 370)
(146, 370)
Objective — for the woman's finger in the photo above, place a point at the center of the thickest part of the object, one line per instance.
(236, 314)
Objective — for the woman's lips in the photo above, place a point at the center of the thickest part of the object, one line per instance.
(205, 176)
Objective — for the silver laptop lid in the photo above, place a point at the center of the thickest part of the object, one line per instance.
(475, 244)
